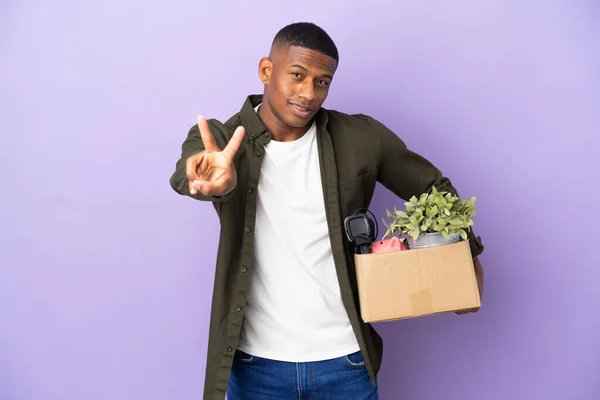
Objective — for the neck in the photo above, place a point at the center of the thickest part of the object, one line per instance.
(279, 131)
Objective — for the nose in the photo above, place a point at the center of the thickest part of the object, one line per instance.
(307, 90)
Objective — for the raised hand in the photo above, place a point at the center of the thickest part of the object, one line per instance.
(212, 172)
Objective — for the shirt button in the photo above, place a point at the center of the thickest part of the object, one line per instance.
(248, 229)
(244, 269)
(238, 309)
(266, 135)
(229, 349)
(250, 190)
(258, 154)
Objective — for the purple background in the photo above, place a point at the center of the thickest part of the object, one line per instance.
(106, 274)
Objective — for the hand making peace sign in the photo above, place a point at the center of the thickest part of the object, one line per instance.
(212, 172)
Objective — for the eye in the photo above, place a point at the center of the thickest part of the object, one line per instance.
(296, 75)
(323, 83)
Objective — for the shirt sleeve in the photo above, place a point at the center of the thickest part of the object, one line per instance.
(193, 145)
(406, 173)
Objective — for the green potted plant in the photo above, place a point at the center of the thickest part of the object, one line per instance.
(432, 219)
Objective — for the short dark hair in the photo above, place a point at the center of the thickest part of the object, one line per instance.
(308, 35)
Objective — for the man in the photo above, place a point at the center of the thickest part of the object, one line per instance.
(282, 175)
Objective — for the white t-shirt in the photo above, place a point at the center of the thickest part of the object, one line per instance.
(294, 310)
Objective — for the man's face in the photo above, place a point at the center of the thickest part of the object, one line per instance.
(296, 82)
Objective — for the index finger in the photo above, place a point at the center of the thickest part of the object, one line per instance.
(207, 138)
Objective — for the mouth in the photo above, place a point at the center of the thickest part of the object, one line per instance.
(300, 111)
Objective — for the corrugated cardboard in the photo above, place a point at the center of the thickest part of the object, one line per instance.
(417, 282)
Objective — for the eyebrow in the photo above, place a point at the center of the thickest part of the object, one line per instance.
(305, 69)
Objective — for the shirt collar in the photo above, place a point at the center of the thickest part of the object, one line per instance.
(250, 119)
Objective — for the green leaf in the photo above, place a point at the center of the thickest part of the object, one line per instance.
(431, 211)
(386, 234)
(401, 214)
(462, 234)
(413, 220)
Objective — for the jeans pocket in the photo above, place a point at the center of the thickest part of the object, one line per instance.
(242, 357)
(354, 360)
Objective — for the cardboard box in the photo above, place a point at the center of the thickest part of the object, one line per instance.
(413, 283)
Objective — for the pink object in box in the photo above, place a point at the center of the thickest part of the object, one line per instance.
(388, 245)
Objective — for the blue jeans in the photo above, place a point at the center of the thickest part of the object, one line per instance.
(343, 378)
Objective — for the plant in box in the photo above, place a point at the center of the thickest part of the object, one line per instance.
(432, 219)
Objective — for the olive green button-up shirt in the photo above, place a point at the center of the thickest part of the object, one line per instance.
(355, 152)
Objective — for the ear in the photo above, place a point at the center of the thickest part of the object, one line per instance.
(265, 69)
